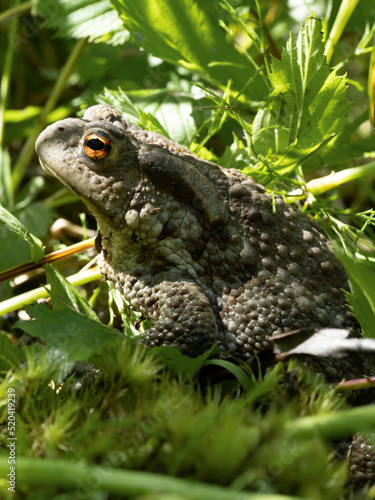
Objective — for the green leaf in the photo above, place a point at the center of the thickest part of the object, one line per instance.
(164, 111)
(20, 123)
(120, 100)
(149, 122)
(181, 364)
(131, 320)
(236, 155)
(69, 331)
(307, 107)
(44, 364)
(343, 151)
(187, 33)
(13, 252)
(37, 218)
(174, 113)
(10, 355)
(247, 382)
(83, 18)
(362, 299)
(6, 188)
(11, 222)
(65, 296)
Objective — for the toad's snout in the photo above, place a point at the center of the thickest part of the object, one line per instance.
(57, 138)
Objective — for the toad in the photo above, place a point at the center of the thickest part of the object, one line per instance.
(203, 252)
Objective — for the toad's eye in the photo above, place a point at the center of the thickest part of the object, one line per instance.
(97, 145)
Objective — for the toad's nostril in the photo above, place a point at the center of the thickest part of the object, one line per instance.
(61, 129)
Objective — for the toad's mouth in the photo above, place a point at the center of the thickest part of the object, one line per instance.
(104, 216)
(46, 168)
(53, 172)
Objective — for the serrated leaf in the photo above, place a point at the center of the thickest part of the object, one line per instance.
(362, 299)
(64, 295)
(187, 33)
(235, 156)
(174, 114)
(96, 20)
(307, 106)
(13, 224)
(149, 122)
(76, 335)
(120, 100)
(158, 110)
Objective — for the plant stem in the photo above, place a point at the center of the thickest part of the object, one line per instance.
(28, 148)
(355, 384)
(16, 11)
(319, 186)
(332, 425)
(345, 11)
(5, 79)
(51, 257)
(22, 300)
(32, 471)
(371, 88)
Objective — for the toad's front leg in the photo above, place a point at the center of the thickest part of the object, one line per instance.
(181, 313)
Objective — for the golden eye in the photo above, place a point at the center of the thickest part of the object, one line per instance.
(97, 145)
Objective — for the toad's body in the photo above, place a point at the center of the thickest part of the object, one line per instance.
(197, 248)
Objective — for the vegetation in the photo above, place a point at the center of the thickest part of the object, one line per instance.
(246, 85)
